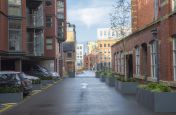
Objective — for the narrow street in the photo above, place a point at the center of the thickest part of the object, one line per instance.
(83, 95)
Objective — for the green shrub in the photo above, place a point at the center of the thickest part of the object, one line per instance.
(11, 89)
(37, 81)
(46, 78)
(155, 87)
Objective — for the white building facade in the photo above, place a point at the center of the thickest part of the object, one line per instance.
(79, 56)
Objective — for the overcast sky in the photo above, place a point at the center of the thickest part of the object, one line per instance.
(88, 15)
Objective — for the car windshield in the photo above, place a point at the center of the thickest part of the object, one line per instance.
(7, 77)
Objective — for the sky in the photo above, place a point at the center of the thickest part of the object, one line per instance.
(88, 15)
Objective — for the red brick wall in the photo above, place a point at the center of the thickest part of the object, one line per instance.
(142, 13)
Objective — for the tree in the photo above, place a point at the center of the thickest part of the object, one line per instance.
(120, 17)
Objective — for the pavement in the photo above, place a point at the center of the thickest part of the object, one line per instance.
(83, 95)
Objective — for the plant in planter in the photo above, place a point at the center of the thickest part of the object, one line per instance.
(46, 80)
(117, 79)
(36, 84)
(127, 85)
(103, 76)
(157, 97)
(97, 74)
(10, 94)
(110, 79)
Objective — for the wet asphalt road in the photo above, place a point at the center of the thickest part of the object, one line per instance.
(82, 95)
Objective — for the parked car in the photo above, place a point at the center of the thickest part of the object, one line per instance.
(10, 79)
(31, 77)
(55, 75)
(39, 71)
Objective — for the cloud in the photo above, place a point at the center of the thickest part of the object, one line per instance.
(89, 16)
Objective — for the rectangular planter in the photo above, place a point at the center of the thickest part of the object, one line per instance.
(11, 97)
(157, 101)
(116, 84)
(36, 86)
(97, 76)
(127, 87)
(46, 82)
(102, 78)
(110, 81)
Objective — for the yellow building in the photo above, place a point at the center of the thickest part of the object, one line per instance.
(91, 46)
(69, 50)
(71, 33)
(104, 47)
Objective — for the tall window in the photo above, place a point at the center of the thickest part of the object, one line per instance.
(153, 54)
(173, 5)
(15, 35)
(156, 8)
(48, 3)
(174, 57)
(48, 21)
(14, 8)
(60, 10)
(138, 61)
(122, 62)
(118, 62)
(49, 43)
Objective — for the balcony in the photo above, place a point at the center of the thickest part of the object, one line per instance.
(33, 4)
(35, 45)
(35, 21)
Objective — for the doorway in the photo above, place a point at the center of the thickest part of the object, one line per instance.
(130, 66)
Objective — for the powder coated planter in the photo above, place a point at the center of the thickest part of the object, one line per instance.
(116, 84)
(36, 86)
(157, 101)
(127, 87)
(102, 78)
(11, 97)
(46, 82)
(110, 81)
(97, 75)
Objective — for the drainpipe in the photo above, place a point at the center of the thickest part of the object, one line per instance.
(155, 38)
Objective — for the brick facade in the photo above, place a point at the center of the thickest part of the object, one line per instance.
(143, 38)
(35, 47)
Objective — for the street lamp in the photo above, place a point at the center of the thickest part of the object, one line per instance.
(155, 38)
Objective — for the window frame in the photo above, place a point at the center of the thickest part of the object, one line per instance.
(138, 61)
(153, 55)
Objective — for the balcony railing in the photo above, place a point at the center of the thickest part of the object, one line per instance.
(35, 47)
(34, 21)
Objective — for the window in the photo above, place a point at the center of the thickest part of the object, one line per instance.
(104, 45)
(60, 10)
(15, 35)
(156, 9)
(100, 45)
(115, 59)
(118, 62)
(104, 33)
(69, 55)
(49, 43)
(153, 54)
(14, 8)
(109, 45)
(48, 21)
(173, 5)
(137, 61)
(122, 62)
(101, 33)
(48, 2)
(174, 57)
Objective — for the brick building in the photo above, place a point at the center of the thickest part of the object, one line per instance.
(90, 61)
(104, 49)
(32, 32)
(69, 50)
(149, 52)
